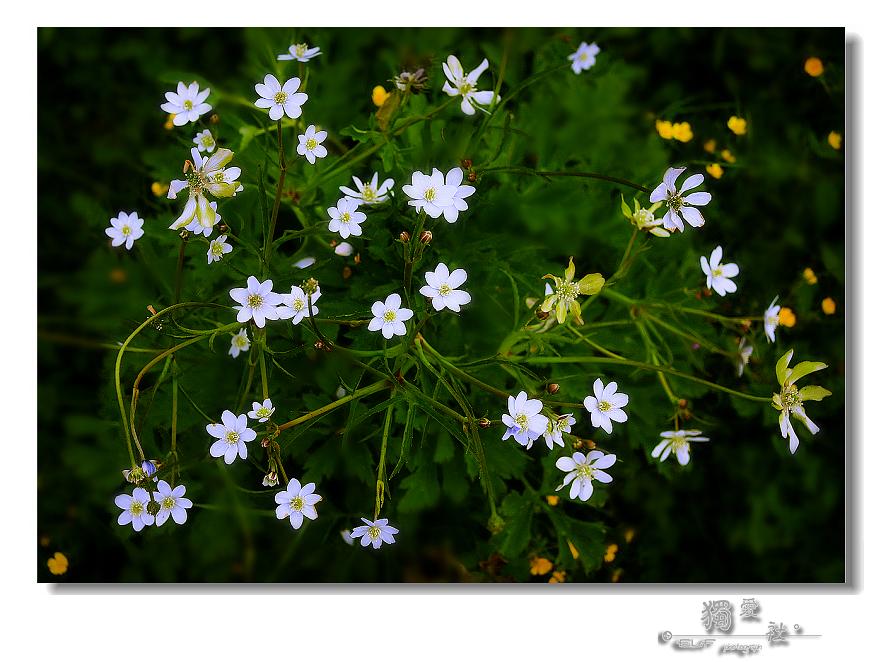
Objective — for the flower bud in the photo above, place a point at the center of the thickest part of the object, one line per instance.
(153, 507)
(310, 286)
(347, 272)
(682, 403)
(184, 233)
(271, 479)
(553, 388)
(484, 423)
(222, 227)
(405, 237)
(472, 176)
(357, 258)
(590, 444)
(495, 524)
(264, 442)
(214, 119)
(466, 164)
(344, 249)
(425, 237)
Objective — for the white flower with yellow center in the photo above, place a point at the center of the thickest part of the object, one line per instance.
(261, 411)
(556, 427)
(256, 302)
(581, 470)
(231, 434)
(280, 99)
(295, 306)
(771, 320)
(679, 443)
(310, 144)
(461, 191)
(204, 176)
(441, 288)
(524, 420)
(134, 509)
(718, 275)
(429, 193)
(790, 400)
(172, 503)
(369, 193)
(465, 85)
(205, 141)
(374, 533)
(584, 57)
(125, 229)
(240, 343)
(605, 405)
(217, 249)
(297, 502)
(345, 218)
(679, 205)
(300, 53)
(389, 317)
(187, 104)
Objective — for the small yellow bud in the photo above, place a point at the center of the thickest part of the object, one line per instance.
(169, 122)
(538, 566)
(787, 317)
(57, 564)
(572, 549)
(629, 534)
(553, 500)
(710, 145)
(682, 132)
(809, 276)
(828, 305)
(558, 576)
(159, 189)
(379, 96)
(611, 550)
(834, 140)
(814, 67)
(737, 125)
(715, 170)
(664, 129)
(727, 156)
(616, 575)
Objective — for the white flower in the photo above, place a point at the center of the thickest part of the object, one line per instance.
(217, 249)
(744, 352)
(303, 263)
(524, 420)
(300, 53)
(261, 411)
(369, 193)
(344, 249)
(677, 205)
(258, 302)
(556, 427)
(389, 317)
(430, 193)
(772, 319)
(678, 442)
(206, 176)
(718, 275)
(441, 288)
(345, 218)
(134, 509)
(231, 437)
(147, 470)
(240, 343)
(790, 400)
(310, 144)
(271, 479)
(582, 470)
(205, 141)
(605, 405)
(125, 229)
(346, 535)
(297, 501)
(584, 57)
(459, 83)
(461, 192)
(187, 104)
(198, 229)
(280, 99)
(374, 532)
(295, 306)
(171, 503)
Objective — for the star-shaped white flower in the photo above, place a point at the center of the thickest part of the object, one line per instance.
(744, 352)
(429, 193)
(345, 218)
(297, 502)
(605, 405)
(240, 343)
(310, 144)
(389, 317)
(441, 288)
(205, 176)
(772, 320)
(678, 442)
(374, 533)
(134, 509)
(461, 191)
(217, 249)
(581, 470)
(556, 427)
(718, 275)
(295, 306)
(205, 141)
(172, 503)
(584, 57)
(465, 85)
(280, 99)
(257, 302)
(261, 411)
(125, 228)
(524, 420)
(231, 436)
(369, 193)
(300, 53)
(187, 104)
(679, 206)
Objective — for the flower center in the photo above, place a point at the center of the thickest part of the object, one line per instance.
(136, 508)
(280, 97)
(368, 193)
(297, 504)
(389, 316)
(567, 291)
(207, 140)
(300, 50)
(345, 217)
(674, 200)
(678, 442)
(232, 437)
(717, 271)
(429, 194)
(643, 218)
(444, 290)
(311, 144)
(521, 420)
(373, 532)
(772, 320)
(605, 406)
(789, 396)
(263, 412)
(465, 87)
(298, 305)
(255, 301)
(188, 105)
(126, 230)
(241, 341)
(219, 176)
(585, 472)
(217, 249)
(167, 503)
(583, 57)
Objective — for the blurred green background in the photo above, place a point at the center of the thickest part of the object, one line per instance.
(744, 510)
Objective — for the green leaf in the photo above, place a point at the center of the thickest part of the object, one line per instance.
(805, 368)
(813, 393)
(517, 512)
(422, 490)
(783, 367)
(591, 284)
(588, 539)
(625, 209)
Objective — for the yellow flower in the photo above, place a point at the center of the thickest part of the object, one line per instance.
(611, 549)
(629, 534)
(538, 566)
(834, 140)
(558, 576)
(553, 500)
(664, 128)
(814, 67)
(737, 125)
(572, 549)
(159, 189)
(710, 145)
(57, 564)
(730, 158)
(616, 575)
(379, 95)
(828, 305)
(169, 123)
(715, 170)
(786, 317)
(682, 132)
(809, 276)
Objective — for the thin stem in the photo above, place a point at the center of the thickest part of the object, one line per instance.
(358, 393)
(458, 371)
(522, 170)
(380, 470)
(283, 167)
(178, 275)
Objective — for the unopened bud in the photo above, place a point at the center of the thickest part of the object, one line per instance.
(347, 272)
(310, 286)
(222, 227)
(214, 119)
(472, 176)
(553, 388)
(319, 345)
(495, 524)
(466, 164)
(357, 259)
(578, 443)
(153, 507)
(484, 423)
(271, 479)
(682, 403)
(590, 444)
(405, 237)
(184, 234)
(425, 237)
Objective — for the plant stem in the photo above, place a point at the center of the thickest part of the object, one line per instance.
(380, 470)
(358, 393)
(522, 170)
(178, 275)
(282, 170)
